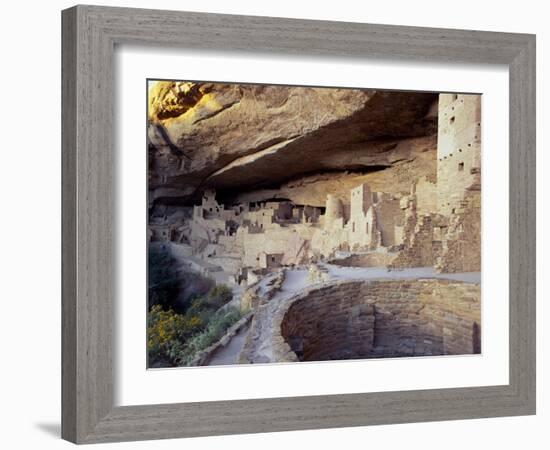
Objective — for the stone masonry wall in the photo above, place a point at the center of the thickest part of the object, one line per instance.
(292, 243)
(418, 251)
(461, 244)
(369, 319)
(389, 215)
(458, 148)
(455, 244)
(372, 259)
(418, 234)
(426, 196)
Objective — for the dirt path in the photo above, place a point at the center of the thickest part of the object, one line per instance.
(228, 354)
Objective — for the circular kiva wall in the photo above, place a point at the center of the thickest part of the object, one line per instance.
(370, 319)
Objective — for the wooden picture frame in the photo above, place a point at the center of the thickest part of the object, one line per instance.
(90, 34)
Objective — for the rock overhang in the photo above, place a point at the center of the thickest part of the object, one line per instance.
(254, 136)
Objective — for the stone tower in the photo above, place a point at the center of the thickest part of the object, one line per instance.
(334, 213)
(361, 200)
(458, 149)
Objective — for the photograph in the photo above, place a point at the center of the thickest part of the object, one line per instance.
(304, 224)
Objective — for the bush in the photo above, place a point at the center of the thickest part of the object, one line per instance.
(219, 296)
(166, 334)
(174, 338)
(216, 328)
(192, 285)
(215, 298)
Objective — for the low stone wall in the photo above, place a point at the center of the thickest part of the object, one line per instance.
(253, 296)
(373, 259)
(202, 358)
(369, 319)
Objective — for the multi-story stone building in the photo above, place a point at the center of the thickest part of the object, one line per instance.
(433, 224)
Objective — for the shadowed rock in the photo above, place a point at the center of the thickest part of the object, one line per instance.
(254, 137)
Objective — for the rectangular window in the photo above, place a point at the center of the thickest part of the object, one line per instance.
(460, 167)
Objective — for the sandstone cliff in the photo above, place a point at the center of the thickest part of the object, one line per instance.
(269, 142)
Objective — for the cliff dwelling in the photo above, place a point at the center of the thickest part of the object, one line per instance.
(311, 224)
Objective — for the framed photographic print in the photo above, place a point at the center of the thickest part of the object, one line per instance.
(335, 219)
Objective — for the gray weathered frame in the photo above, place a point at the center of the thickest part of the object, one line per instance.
(89, 36)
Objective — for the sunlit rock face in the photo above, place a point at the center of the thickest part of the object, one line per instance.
(267, 141)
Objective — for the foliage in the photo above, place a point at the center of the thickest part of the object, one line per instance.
(174, 338)
(191, 286)
(219, 295)
(216, 328)
(206, 305)
(166, 330)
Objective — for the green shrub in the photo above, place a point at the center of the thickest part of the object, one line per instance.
(219, 296)
(167, 332)
(205, 306)
(216, 328)
(174, 338)
(201, 309)
(191, 286)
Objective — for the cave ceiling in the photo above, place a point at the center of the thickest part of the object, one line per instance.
(246, 139)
